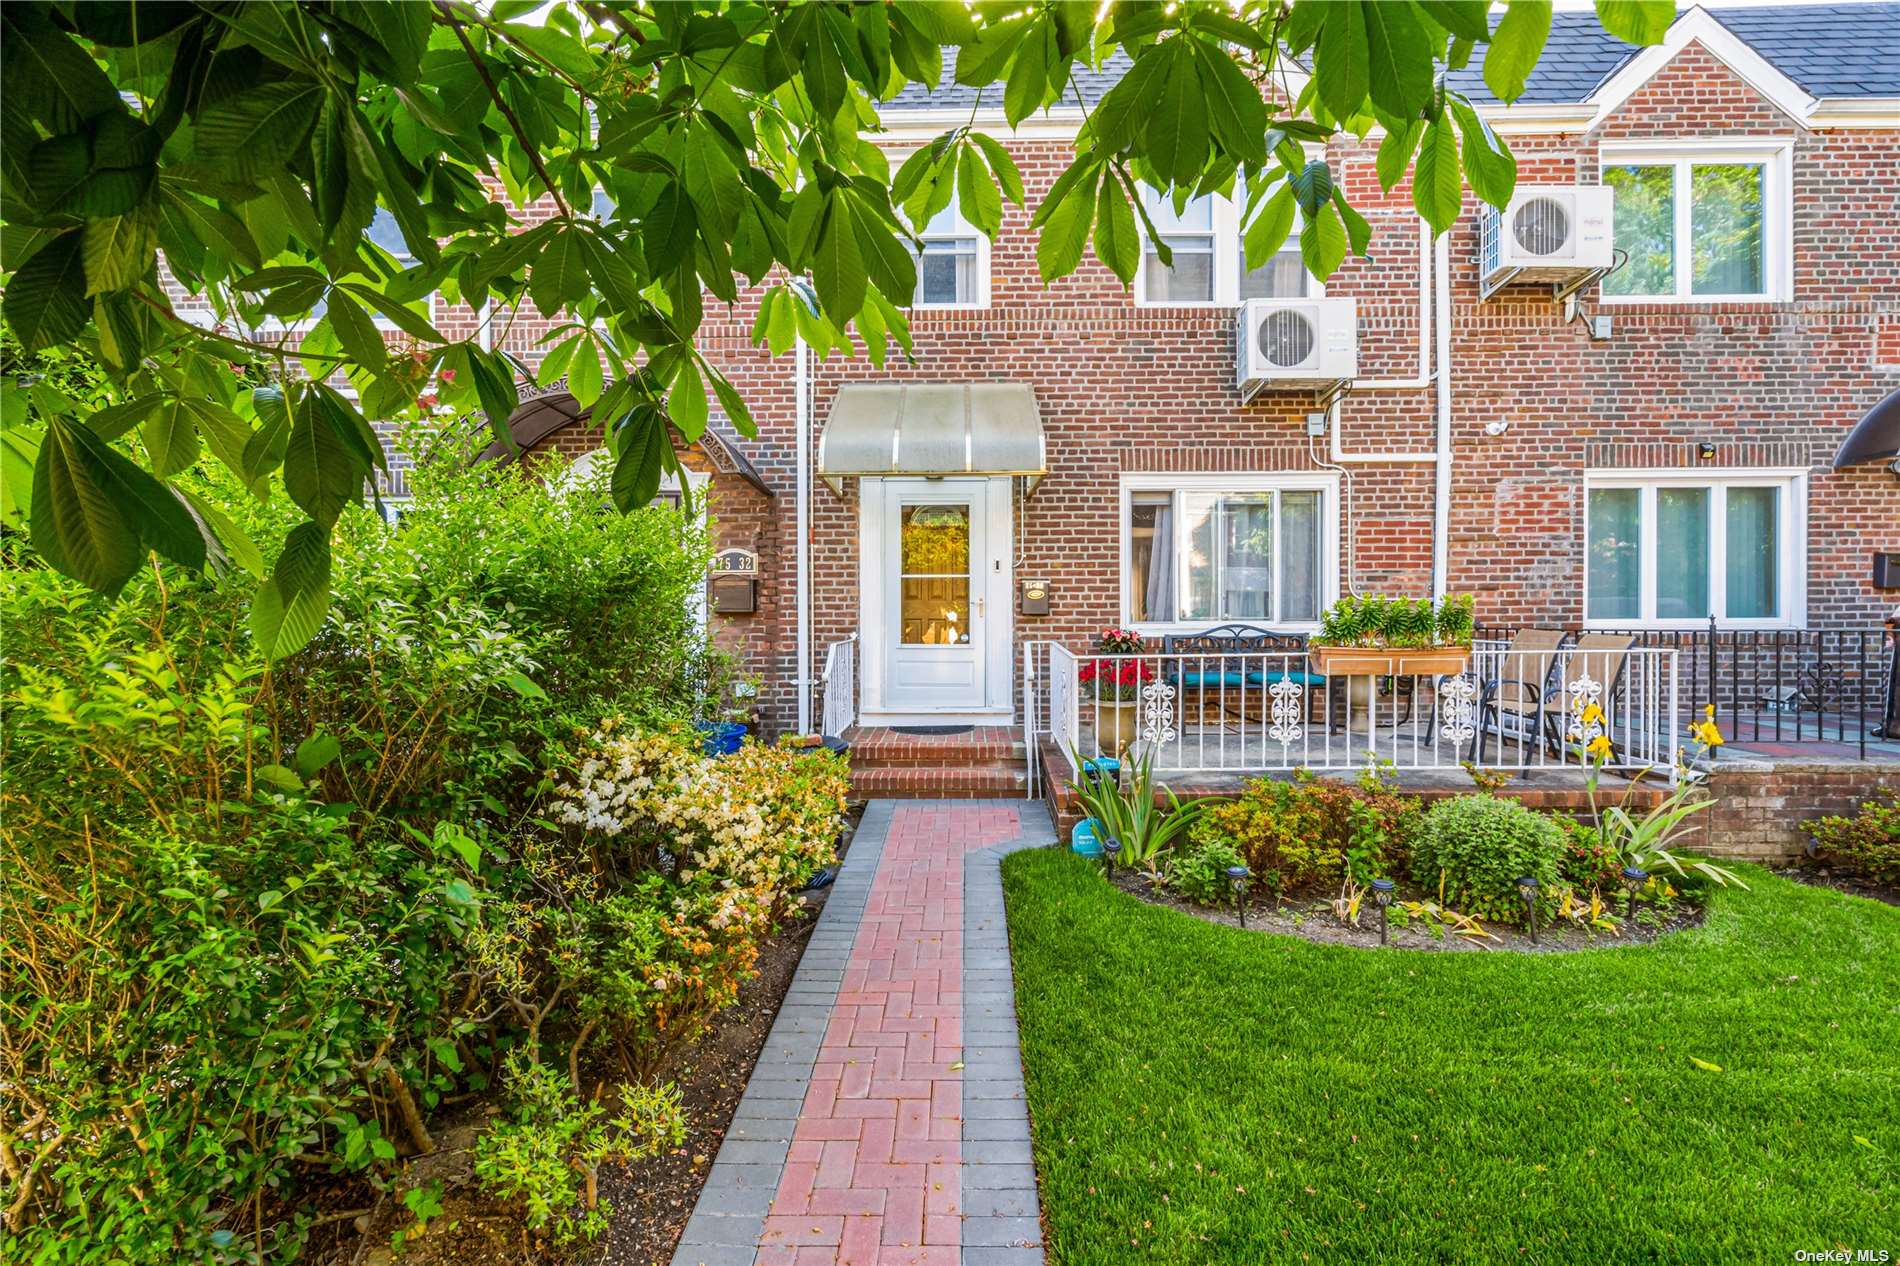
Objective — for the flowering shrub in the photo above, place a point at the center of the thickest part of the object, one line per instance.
(761, 820)
(1311, 831)
(1868, 843)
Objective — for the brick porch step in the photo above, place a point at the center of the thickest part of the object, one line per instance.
(988, 761)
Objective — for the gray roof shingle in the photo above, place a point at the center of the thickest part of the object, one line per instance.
(1830, 50)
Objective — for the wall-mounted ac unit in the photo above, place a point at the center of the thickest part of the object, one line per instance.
(1549, 233)
(1295, 344)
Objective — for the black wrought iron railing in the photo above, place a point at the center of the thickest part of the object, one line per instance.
(1779, 685)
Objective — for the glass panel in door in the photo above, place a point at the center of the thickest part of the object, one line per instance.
(934, 575)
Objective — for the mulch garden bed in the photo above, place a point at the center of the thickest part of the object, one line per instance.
(1841, 881)
(1310, 915)
(651, 1199)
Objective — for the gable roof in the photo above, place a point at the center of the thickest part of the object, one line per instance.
(1826, 50)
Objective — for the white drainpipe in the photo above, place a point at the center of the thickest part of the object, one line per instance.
(1434, 312)
(1441, 492)
(801, 406)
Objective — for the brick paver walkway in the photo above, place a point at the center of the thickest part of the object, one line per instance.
(876, 1131)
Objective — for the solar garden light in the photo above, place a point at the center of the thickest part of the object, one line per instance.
(1110, 851)
(1237, 877)
(1382, 894)
(1633, 879)
(1527, 888)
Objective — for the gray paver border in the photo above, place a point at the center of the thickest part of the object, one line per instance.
(1001, 1206)
(729, 1218)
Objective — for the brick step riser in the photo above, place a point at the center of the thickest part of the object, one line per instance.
(941, 760)
(926, 781)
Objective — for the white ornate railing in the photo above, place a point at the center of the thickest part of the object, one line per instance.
(1261, 711)
(838, 687)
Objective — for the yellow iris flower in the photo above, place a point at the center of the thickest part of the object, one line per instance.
(1707, 735)
(1593, 715)
(1599, 746)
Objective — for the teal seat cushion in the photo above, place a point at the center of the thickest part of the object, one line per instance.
(1212, 677)
(1301, 676)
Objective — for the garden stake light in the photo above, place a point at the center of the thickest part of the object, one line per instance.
(1237, 876)
(1633, 879)
(1382, 893)
(1527, 885)
(1110, 851)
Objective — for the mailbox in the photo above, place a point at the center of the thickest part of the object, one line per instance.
(1035, 597)
(1887, 571)
(733, 587)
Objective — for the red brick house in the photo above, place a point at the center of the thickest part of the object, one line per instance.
(1637, 437)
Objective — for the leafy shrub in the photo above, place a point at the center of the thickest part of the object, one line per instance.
(1867, 843)
(1587, 863)
(1199, 873)
(1478, 846)
(547, 1153)
(1298, 834)
(254, 906)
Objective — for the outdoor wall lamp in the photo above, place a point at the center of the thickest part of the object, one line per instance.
(1237, 877)
(1382, 894)
(1527, 888)
(1633, 879)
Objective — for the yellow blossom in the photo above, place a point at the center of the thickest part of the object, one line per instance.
(1599, 746)
(1593, 715)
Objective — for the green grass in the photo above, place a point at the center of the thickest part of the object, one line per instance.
(1202, 1095)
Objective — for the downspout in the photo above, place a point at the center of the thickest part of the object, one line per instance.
(1336, 444)
(1441, 492)
(801, 407)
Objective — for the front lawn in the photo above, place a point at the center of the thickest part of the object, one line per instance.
(1201, 1095)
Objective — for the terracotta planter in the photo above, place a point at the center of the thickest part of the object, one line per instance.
(1373, 661)
(1116, 724)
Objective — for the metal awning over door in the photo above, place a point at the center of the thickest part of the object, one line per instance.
(926, 429)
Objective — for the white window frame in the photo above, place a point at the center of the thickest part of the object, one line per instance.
(1326, 483)
(963, 229)
(1791, 566)
(1230, 255)
(1776, 157)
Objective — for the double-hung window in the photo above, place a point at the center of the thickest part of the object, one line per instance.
(1679, 547)
(1215, 549)
(1699, 225)
(953, 267)
(1209, 259)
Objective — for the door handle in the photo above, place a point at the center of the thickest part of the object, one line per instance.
(979, 606)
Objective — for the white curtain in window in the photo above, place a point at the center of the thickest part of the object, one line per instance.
(1158, 600)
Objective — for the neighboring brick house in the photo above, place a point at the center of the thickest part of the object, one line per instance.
(1661, 458)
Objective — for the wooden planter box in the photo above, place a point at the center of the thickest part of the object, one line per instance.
(1369, 661)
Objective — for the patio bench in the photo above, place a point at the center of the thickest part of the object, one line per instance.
(1226, 670)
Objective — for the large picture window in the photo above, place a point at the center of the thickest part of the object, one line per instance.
(1678, 549)
(1206, 240)
(1234, 550)
(1700, 225)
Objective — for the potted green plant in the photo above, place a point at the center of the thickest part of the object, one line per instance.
(1377, 636)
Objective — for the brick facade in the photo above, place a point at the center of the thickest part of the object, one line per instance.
(1124, 388)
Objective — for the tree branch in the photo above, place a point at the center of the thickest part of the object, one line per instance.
(514, 123)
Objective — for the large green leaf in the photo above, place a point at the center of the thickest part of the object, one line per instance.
(1117, 244)
(1400, 58)
(1028, 82)
(837, 264)
(171, 437)
(643, 443)
(95, 512)
(1515, 47)
(1002, 166)
(1437, 184)
(1235, 110)
(1342, 61)
(1268, 230)
(290, 607)
(46, 300)
(322, 473)
(495, 388)
(1491, 166)
(976, 193)
(1637, 21)
(1177, 128)
(1323, 241)
(1065, 230)
(258, 130)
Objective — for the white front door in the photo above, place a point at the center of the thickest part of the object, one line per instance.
(936, 596)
